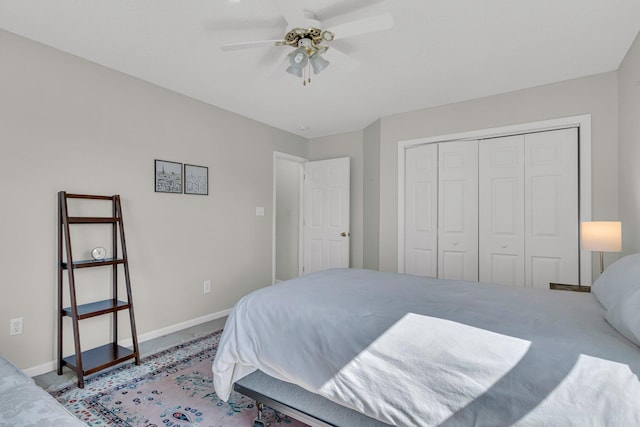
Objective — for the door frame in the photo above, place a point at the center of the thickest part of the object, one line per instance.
(582, 122)
(284, 156)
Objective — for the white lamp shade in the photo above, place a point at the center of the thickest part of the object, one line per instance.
(602, 236)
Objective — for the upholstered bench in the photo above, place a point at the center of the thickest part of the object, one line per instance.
(23, 403)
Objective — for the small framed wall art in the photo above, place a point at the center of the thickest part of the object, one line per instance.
(168, 177)
(196, 179)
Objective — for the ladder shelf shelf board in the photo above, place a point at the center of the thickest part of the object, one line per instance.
(99, 358)
(86, 362)
(97, 308)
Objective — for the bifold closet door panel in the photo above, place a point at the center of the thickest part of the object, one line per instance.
(421, 210)
(458, 210)
(501, 210)
(551, 208)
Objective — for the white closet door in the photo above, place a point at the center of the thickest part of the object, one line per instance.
(421, 210)
(458, 210)
(501, 205)
(551, 208)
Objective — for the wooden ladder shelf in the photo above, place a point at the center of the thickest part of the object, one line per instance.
(87, 362)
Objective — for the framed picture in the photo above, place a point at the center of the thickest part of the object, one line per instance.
(168, 177)
(196, 179)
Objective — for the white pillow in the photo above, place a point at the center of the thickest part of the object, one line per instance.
(620, 278)
(624, 316)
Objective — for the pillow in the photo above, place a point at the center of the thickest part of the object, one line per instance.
(624, 316)
(620, 278)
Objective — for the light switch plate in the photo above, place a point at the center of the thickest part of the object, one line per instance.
(259, 211)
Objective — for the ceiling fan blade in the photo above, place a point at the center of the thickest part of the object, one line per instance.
(363, 26)
(279, 68)
(248, 45)
(341, 59)
(292, 12)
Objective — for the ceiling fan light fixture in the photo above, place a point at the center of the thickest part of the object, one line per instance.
(309, 39)
(327, 36)
(318, 63)
(295, 71)
(298, 59)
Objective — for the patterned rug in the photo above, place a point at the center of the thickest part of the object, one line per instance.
(172, 388)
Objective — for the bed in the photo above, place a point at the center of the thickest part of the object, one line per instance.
(411, 351)
(23, 403)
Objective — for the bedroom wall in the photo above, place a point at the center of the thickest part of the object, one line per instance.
(287, 218)
(69, 124)
(346, 145)
(371, 195)
(629, 151)
(595, 95)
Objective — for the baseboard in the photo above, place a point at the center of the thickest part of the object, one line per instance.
(51, 366)
(175, 328)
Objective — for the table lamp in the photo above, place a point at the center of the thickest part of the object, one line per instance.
(602, 236)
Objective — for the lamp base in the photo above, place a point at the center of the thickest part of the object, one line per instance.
(601, 262)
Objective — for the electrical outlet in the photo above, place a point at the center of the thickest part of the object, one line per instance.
(15, 326)
(207, 286)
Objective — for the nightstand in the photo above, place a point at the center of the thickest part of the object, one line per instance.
(565, 287)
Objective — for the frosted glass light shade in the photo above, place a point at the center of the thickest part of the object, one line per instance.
(318, 63)
(298, 60)
(603, 236)
(295, 71)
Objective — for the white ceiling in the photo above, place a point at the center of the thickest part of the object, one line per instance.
(439, 51)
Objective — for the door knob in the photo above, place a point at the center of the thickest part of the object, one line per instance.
(345, 234)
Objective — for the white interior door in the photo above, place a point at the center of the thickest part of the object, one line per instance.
(551, 208)
(326, 214)
(458, 210)
(421, 212)
(501, 210)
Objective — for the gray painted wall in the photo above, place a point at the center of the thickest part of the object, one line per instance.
(371, 196)
(287, 218)
(629, 148)
(69, 124)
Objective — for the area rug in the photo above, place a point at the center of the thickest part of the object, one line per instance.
(172, 388)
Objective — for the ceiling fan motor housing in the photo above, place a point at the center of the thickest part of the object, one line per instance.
(310, 38)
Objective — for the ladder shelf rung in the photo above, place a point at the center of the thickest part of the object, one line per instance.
(87, 196)
(93, 263)
(93, 219)
(97, 308)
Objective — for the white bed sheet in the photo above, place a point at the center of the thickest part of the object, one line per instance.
(414, 351)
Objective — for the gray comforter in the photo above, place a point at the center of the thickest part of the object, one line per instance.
(413, 351)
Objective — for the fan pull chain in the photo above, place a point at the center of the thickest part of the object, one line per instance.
(306, 77)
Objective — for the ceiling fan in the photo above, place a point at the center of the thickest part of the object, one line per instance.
(306, 35)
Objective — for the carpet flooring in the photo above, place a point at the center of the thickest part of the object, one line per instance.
(172, 388)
